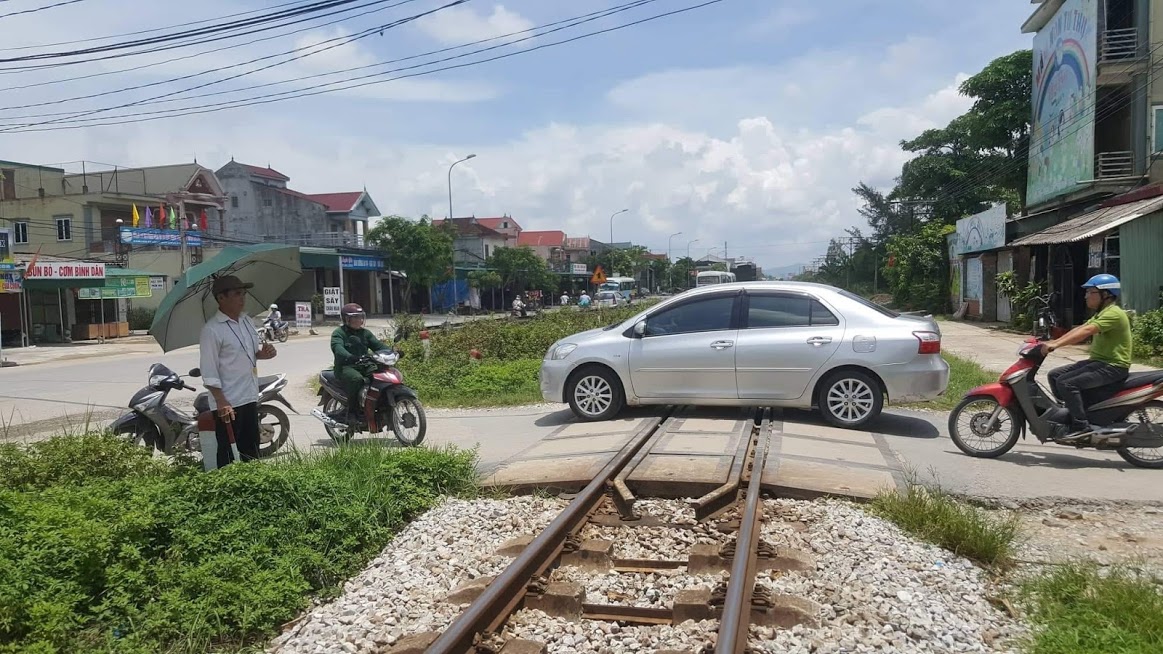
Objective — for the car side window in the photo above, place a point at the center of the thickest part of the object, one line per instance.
(707, 315)
(774, 311)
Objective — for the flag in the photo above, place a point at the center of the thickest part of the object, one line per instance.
(173, 219)
(136, 216)
(32, 264)
(148, 218)
(161, 216)
(203, 224)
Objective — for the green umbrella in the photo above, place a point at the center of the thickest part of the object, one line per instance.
(272, 268)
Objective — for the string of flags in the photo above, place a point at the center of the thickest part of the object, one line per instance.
(169, 219)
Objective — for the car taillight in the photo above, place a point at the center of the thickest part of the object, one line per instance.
(930, 342)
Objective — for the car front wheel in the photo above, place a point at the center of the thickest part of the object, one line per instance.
(594, 394)
(850, 399)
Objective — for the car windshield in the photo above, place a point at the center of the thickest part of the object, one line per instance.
(870, 304)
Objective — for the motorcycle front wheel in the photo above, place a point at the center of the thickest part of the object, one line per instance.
(970, 430)
(409, 422)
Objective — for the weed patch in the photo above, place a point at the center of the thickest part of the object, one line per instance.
(1078, 609)
(148, 556)
(934, 516)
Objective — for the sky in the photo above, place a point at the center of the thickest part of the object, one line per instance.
(742, 124)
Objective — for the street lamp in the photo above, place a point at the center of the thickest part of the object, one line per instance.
(670, 260)
(688, 247)
(455, 300)
(612, 224)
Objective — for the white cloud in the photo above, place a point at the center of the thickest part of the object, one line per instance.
(463, 24)
(782, 20)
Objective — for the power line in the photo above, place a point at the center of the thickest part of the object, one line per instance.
(38, 9)
(168, 98)
(315, 90)
(314, 7)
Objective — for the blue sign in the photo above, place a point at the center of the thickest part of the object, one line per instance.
(361, 263)
(166, 238)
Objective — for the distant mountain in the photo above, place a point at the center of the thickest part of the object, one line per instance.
(783, 271)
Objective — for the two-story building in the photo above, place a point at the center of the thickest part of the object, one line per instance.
(473, 241)
(1095, 140)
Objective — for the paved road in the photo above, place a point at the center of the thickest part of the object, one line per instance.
(41, 399)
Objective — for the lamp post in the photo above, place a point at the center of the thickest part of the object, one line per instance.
(688, 249)
(455, 300)
(670, 260)
(612, 224)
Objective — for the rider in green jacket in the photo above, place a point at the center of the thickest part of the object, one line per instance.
(349, 343)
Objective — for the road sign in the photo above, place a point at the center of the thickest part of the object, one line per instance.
(331, 300)
(599, 275)
(303, 315)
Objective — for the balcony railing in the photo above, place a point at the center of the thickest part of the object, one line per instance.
(1114, 164)
(332, 240)
(1119, 44)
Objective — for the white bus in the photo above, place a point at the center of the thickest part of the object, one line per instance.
(627, 287)
(708, 277)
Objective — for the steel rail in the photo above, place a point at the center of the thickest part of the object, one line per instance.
(492, 608)
(734, 625)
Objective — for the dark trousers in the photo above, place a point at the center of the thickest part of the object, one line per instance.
(1069, 382)
(245, 425)
(353, 381)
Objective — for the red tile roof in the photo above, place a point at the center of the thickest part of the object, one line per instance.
(552, 238)
(338, 202)
(495, 223)
(268, 172)
(470, 227)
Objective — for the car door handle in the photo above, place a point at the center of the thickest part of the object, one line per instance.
(722, 345)
(819, 340)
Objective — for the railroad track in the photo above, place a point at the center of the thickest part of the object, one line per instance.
(608, 502)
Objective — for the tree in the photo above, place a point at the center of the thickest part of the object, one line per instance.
(919, 274)
(625, 261)
(422, 251)
(520, 268)
(680, 273)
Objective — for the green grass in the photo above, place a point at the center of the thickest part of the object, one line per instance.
(964, 374)
(1076, 609)
(105, 549)
(932, 515)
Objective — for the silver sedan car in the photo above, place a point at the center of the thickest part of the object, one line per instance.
(783, 344)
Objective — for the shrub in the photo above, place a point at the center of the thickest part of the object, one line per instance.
(159, 558)
(1147, 329)
(141, 318)
(1021, 298)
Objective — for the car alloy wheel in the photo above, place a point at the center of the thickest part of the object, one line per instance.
(593, 395)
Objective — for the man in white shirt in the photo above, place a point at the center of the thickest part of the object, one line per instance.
(230, 351)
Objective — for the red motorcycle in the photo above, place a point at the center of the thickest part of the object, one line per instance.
(1126, 418)
(386, 401)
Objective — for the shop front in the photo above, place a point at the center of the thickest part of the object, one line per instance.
(360, 277)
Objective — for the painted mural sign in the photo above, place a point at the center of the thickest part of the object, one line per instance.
(1062, 130)
(982, 231)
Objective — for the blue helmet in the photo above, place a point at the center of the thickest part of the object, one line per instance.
(1104, 282)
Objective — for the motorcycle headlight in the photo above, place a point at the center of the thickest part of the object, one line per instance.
(562, 351)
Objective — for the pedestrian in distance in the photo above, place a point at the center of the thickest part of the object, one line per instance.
(229, 350)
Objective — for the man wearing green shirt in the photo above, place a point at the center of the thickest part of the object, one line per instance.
(1110, 352)
(349, 343)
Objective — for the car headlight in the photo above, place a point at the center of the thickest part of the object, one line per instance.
(562, 351)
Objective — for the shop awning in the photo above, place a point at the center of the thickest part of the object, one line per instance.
(310, 257)
(1099, 221)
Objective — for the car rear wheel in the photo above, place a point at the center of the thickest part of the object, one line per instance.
(594, 394)
(850, 399)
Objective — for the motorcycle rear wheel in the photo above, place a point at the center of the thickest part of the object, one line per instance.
(1129, 454)
(282, 430)
(282, 335)
(338, 436)
(1008, 425)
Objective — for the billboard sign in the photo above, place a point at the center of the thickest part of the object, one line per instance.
(982, 231)
(5, 245)
(1062, 127)
(303, 315)
(118, 287)
(361, 263)
(66, 270)
(332, 300)
(579, 269)
(166, 238)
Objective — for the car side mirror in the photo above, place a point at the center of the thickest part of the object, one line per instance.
(195, 372)
(640, 328)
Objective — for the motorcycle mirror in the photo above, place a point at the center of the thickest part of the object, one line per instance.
(195, 372)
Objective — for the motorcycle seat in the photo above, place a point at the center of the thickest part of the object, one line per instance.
(263, 382)
(329, 376)
(1137, 379)
(202, 403)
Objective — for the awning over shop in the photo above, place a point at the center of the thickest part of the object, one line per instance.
(1081, 228)
(310, 257)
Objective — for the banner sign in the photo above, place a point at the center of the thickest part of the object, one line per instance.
(66, 270)
(360, 263)
(578, 269)
(5, 245)
(303, 315)
(332, 300)
(982, 231)
(166, 238)
(118, 287)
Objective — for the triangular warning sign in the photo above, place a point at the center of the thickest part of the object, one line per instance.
(599, 275)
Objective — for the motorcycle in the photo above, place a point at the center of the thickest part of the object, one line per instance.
(386, 401)
(156, 424)
(1017, 403)
(1045, 323)
(277, 331)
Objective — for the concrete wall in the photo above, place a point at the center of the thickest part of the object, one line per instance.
(41, 215)
(266, 212)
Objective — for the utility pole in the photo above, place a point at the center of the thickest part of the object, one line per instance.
(182, 230)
